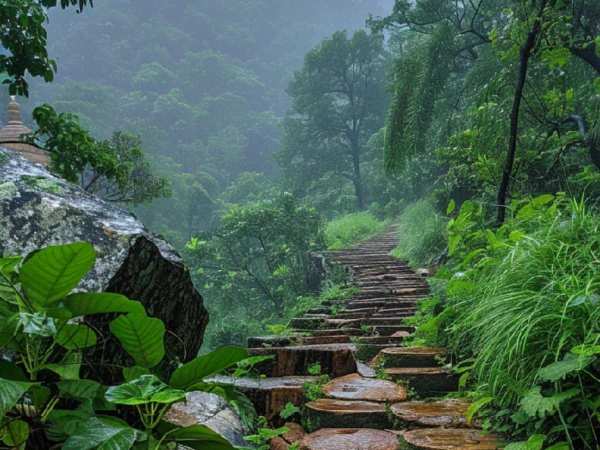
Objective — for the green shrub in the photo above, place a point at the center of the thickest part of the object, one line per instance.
(421, 234)
(352, 228)
(526, 308)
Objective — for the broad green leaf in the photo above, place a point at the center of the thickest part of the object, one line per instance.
(200, 437)
(10, 371)
(68, 368)
(101, 434)
(145, 389)
(8, 330)
(203, 366)
(37, 324)
(560, 369)
(15, 433)
(76, 336)
(535, 442)
(50, 274)
(79, 389)
(591, 299)
(86, 304)
(560, 446)
(535, 405)
(142, 337)
(10, 393)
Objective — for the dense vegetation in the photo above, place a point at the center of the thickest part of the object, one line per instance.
(476, 122)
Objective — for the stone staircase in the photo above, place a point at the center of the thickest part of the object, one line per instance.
(382, 395)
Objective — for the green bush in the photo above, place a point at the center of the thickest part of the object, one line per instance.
(421, 234)
(525, 306)
(352, 228)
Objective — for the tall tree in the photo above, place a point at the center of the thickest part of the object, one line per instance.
(339, 101)
(23, 34)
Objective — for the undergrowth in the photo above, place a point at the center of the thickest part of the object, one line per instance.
(352, 228)
(421, 234)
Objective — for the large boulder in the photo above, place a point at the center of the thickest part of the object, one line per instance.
(38, 209)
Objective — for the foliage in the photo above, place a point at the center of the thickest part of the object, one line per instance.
(338, 101)
(44, 335)
(421, 234)
(254, 265)
(520, 303)
(349, 229)
(114, 169)
(24, 36)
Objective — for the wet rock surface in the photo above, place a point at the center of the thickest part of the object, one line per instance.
(202, 408)
(444, 413)
(356, 387)
(38, 209)
(449, 439)
(350, 439)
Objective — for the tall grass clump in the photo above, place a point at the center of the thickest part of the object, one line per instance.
(421, 234)
(528, 313)
(352, 228)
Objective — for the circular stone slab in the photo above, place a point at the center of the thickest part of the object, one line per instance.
(450, 439)
(443, 413)
(349, 439)
(355, 387)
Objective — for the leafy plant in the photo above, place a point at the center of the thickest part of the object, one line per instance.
(44, 335)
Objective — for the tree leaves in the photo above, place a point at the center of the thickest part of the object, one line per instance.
(102, 434)
(142, 337)
(50, 274)
(10, 393)
(560, 369)
(89, 303)
(203, 366)
(534, 404)
(145, 389)
(76, 336)
(200, 437)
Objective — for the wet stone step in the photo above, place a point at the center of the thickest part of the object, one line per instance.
(449, 439)
(335, 359)
(383, 340)
(425, 381)
(373, 321)
(269, 395)
(335, 339)
(388, 330)
(402, 312)
(356, 387)
(411, 357)
(366, 352)
(331, 413)
(349, 439)
(443, 413)
(336, 332)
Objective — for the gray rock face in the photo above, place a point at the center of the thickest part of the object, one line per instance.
(202, 408)
(38, 209)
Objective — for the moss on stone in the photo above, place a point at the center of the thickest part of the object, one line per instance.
(42, 183)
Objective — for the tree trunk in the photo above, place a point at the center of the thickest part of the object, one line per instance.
(589, 55)
(525, 55)
(357, 178)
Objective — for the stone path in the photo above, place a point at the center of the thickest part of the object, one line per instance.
(382, 394)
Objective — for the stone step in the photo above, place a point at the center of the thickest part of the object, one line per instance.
(356, 387)
(331, 413)
(385, 312)
(350, 439)
(269, 395)
(449, 439)
(443, 413)
(382, 340)
(410, 357)
(336, 332)
(388, 330)
(375, 303)
(425, 381)
(335, 359)
(373, 321)
(335, 339)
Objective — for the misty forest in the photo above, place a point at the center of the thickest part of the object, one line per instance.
(300, 225)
